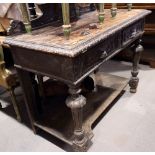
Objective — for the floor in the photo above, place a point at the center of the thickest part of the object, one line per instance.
(128, 126)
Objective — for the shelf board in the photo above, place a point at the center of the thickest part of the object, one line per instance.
(57, 119)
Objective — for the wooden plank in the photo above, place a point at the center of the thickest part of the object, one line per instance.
(52, 132)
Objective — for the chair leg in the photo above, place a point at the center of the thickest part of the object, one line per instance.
(15, 105)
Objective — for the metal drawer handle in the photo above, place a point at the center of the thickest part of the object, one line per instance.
(133, 34)
(103, 55)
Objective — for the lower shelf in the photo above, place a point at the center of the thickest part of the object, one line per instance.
(57, 120)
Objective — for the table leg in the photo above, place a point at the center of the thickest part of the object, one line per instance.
(133, 83)
(29, 95)
(76, 102)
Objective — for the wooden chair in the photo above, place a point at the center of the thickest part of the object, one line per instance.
(8, 80)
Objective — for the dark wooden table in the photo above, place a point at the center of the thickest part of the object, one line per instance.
(46, 52)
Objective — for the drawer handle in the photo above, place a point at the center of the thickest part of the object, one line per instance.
(133, 34)
(103, 55)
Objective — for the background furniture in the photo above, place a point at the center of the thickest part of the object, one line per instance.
(148, 56)
(8, 75)
(8, 80)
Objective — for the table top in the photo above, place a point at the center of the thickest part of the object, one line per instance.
(52, 41)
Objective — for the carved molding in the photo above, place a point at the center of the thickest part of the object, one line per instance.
(76, 102)
(82, 46)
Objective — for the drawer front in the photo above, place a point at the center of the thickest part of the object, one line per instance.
(54, 66)
(97, 54)
(88, 60)
(132, 31)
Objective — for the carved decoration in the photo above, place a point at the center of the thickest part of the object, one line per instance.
(76, 103)
(81, 46)
(131, 31)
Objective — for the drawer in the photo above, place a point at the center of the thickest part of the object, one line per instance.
(86, 61)
(132, 31)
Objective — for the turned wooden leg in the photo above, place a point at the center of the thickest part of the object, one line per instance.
(15, 105)
(133, 83)
(76, 102)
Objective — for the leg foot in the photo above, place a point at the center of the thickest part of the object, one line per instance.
(133, 83)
